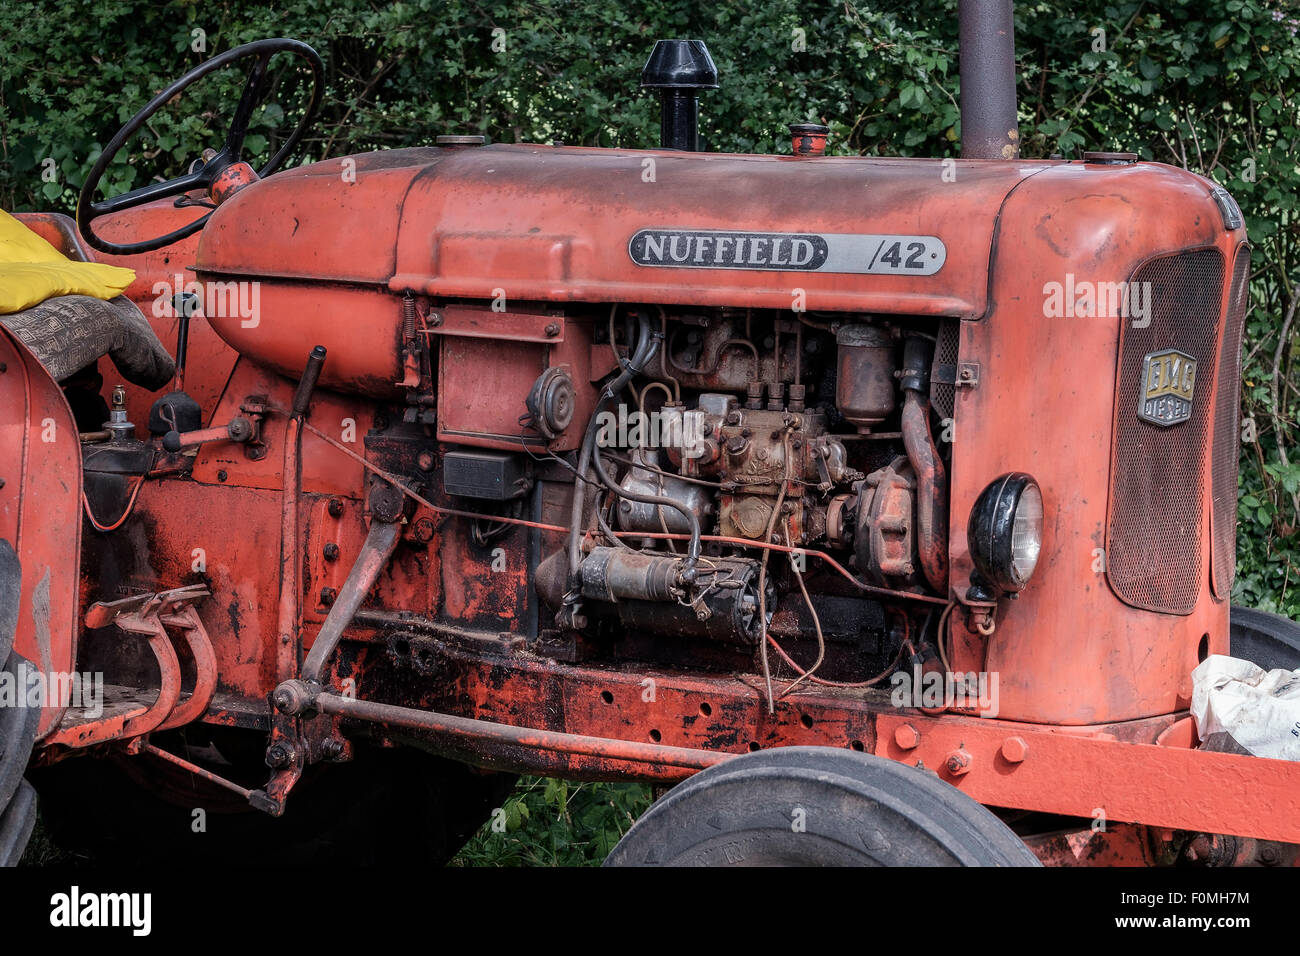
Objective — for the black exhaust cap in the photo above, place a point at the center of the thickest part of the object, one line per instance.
(679, 69)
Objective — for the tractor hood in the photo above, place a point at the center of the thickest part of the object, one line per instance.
(562, 224)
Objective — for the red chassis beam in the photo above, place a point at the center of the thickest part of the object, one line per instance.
(611, 723)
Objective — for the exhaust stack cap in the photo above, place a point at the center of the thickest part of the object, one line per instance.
(679, 69)
(679, 65)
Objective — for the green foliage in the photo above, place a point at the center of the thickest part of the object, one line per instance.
(556, 823)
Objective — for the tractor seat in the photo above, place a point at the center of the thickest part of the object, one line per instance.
(69, 332)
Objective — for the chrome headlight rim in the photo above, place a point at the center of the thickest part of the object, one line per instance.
(992, 524)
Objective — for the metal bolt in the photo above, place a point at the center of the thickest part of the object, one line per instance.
(907, 737)
(425, 461)
(1014, 749)
(958, 762)
(423, 530)
(331, 551)
(331, 749)
(966, 375)
(221, 475)
(335, 508)
(328, 595)
(278, 755)
(552, 330)
(435, 319)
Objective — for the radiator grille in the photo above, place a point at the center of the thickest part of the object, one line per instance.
(1157, 474)
(943, 371)
(1227, 435)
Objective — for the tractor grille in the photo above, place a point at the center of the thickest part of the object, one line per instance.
(1157, 474)
(943, 371)
(1227, 436)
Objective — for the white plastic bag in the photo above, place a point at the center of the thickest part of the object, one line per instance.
(1259, 709)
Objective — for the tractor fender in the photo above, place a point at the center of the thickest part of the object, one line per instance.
(40, 514)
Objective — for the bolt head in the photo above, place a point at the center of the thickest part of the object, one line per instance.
(1014, 749)
(907, 737)
(958, 762)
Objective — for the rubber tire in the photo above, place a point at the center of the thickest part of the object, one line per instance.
(859, 810)
(18, 726)
(1267, 640)
(387, 808)
(16, 823)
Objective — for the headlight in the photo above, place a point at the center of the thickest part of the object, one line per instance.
(1005, 533)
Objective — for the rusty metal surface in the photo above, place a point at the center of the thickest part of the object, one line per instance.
(40, 511)
(335, 261)
(987, 62)
(186, 620)
(1068, 651)
(1117, 768)
(371, 561)
(1155, 538)
(143, 618)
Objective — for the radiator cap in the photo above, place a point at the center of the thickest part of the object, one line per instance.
(1110, 159)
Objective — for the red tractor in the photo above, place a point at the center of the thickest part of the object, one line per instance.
(883, 506)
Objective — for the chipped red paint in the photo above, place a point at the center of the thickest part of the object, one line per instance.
(409, 257)
(40, 510)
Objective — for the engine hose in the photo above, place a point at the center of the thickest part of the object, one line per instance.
(931, 477)
(689, 566)
(647, 344)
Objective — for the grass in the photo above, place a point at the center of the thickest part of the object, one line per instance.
(549, 822)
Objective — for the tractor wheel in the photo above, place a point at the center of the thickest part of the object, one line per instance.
(17, 800)
(18, 724)
(386, 807)
(1266, 640)
(818, 806)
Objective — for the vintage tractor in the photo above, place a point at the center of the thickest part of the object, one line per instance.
(884, 506)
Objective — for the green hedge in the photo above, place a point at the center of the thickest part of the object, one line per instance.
(1208, 85)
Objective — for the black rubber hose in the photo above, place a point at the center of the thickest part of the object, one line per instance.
(644, 350)
(689, 566)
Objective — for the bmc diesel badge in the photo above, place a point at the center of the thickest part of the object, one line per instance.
(1168, 380)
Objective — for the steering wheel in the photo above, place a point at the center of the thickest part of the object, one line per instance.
(208, 171)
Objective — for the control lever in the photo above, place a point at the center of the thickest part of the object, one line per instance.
(240, 429)
(185, 305)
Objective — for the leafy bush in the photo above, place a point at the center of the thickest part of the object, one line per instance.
(556, 823)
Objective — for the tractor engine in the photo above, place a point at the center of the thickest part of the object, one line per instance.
(709, 482)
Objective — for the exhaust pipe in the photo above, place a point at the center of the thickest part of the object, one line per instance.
(987, 58)
(679, 69)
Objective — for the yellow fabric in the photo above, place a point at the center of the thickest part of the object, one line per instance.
(32, 270)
